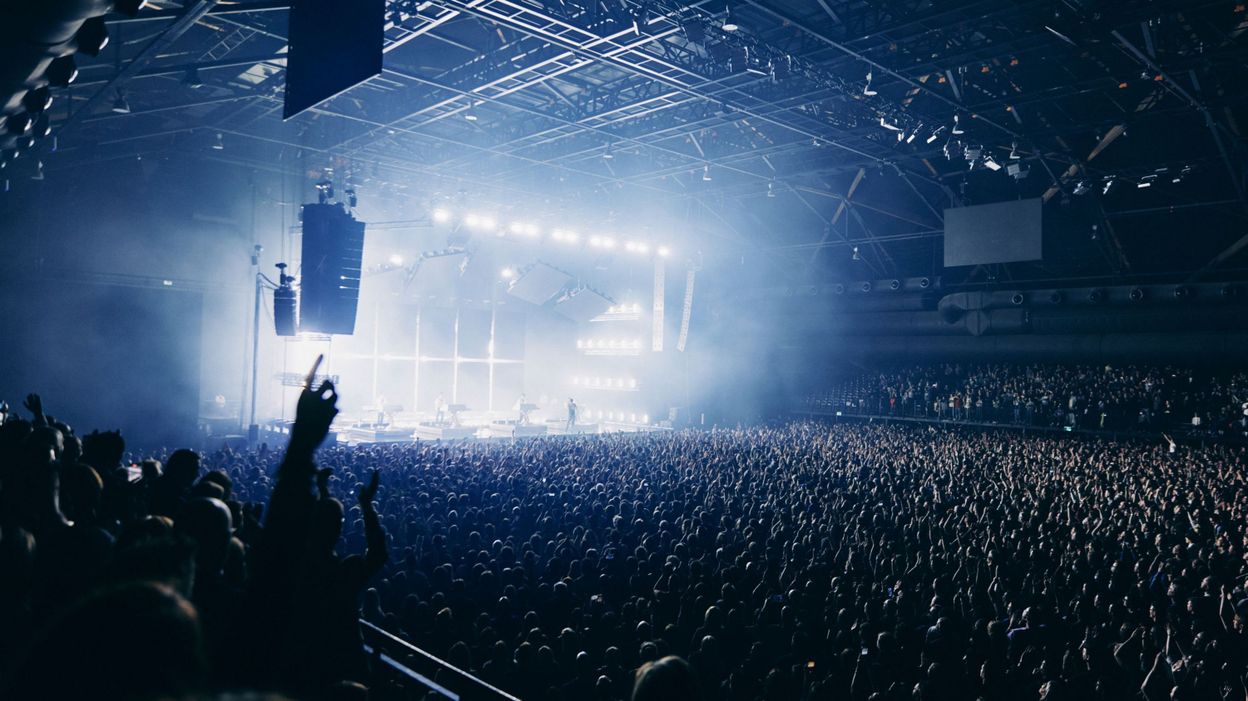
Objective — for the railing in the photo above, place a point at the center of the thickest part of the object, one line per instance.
(408, 672)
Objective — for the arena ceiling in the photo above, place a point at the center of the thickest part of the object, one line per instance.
(822, 137)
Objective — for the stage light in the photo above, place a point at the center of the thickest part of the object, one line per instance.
(488, 223)
(771, 189)
(192, 79)
(516, 227)
(992, 165)
(957, 126)
(120, 106)
(18, 124)
(935, 134)
(608, 243)
(891, 127)
(664, 251)
(62, 71)
(611, 416)
(632, 418)
(580, 343)
(636, 308)
(856, 254)
(630, 246)
(1014, 151)
(219, 144)
(508, 273)
(595, 241)
(1109, 185)
(706, 174)
(38, 100)
(531, 230)
(396, 259)
(867, 90)
(92, 36)
(472, 220)
(632, 384)
(129, 7)
(471, 113)
(730, 22)
(645, 418)
(38, 171)
(576, 380)
(1082, 187)
(643, 248)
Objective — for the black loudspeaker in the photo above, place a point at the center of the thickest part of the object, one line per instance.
(284, 311)
(329, 287)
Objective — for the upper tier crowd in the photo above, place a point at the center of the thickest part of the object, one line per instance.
(1096, 397)
(789, 562)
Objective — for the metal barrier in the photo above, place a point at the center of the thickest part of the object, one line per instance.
(416, 674)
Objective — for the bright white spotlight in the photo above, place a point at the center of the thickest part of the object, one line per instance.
(595, 241)
(396, 259)
(516, 227)
(630, 246)
(531, 230)
(664, 251)
(632, 384)
(580, 343)
(643, 248)
(472, 220)
(441, 216)
(508, 273)
(488, 223)
(608, 243)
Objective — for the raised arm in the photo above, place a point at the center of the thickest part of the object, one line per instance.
(375, 536)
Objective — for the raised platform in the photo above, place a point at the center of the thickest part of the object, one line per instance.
(560, 428)
(513, 429)
(377, 434)
(444, 432)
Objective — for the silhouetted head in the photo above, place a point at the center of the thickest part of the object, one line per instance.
(207, 521)
(669, 679)
(183, 467)
(326, 524)
(103, 451)
(139, 641)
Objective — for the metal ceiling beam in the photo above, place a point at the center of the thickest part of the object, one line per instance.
(797, 24)
(475, 8)
(147, 54)
(238, 8)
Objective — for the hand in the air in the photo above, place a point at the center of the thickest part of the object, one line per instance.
(315, 412)
(369, 492)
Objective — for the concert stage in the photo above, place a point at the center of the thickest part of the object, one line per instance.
(357, 435)
(514, 429)
(431, 431)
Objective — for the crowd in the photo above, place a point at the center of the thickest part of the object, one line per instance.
(787, 562)
(1115, 398)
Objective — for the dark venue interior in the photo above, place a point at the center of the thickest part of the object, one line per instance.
(636, 350)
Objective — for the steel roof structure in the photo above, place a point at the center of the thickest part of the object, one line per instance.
(796, 131)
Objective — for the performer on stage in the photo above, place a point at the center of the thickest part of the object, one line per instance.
(382, 419)
(439, 407)
(524, 413)
(571, 413)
